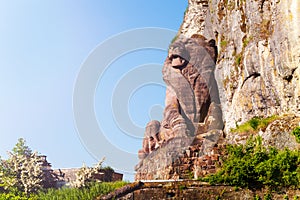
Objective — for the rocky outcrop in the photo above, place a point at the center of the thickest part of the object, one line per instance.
(257, 68)
(249, 68)
(277, 133)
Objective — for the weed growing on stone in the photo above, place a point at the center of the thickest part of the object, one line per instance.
(296, 133)
(223, 43)
(254, 124)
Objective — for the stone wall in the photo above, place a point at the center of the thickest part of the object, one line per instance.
(192, 190)
(180, 159)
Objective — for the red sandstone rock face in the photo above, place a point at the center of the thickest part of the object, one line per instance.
(192, 105)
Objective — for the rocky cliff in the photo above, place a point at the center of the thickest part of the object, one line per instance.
(232, 60)
(259, 54)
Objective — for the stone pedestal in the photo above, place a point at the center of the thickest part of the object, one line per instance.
(180, 158)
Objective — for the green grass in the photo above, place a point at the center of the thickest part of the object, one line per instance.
(12, 196)
(90, 192)
(254, 124)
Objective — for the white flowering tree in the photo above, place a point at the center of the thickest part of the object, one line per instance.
(22, 171)
(87, 174)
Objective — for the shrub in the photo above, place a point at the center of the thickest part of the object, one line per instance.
(296, 133)
(254, 122)
(254, 166)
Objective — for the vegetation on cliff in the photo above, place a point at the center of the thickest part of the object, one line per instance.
(254, 166)
(296, 133)
(254, 124)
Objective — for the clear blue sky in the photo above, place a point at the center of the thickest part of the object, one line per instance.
(42, 47)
